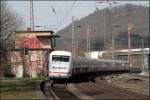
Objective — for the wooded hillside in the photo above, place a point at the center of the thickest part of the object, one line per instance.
(100, 22)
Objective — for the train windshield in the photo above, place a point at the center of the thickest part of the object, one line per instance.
(60, 58)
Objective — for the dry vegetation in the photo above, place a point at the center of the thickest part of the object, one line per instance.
(132, 83)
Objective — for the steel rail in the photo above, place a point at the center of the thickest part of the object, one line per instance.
(51, 90)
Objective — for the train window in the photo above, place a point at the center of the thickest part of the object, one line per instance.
(54, 67)
(60, 58)
(59, 67)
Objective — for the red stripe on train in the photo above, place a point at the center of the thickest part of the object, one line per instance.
(59, 72)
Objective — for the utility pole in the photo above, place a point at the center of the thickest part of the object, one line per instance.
(111, 44)
(108, 38)
(87, 38)
(73, 31)
(31, 15)
(113, 51)
(130, 26)
(111, 33)
(104, 33)
(143, 53)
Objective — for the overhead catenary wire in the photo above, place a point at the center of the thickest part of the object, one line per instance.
(54, 11)
(67, 13)
(59, 23)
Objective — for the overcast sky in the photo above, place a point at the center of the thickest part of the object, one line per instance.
(64, 10)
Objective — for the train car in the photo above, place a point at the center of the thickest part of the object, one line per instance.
(60, 65)
(63, 66)
(88, 65)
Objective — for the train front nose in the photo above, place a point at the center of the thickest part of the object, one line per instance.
(59, 65)
(59, 72)
(62, 75)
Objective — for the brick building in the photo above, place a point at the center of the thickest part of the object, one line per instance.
(30, 57)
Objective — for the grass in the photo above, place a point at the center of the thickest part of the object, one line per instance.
(21, 89)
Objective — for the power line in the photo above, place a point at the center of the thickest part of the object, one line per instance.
(55, 13)
(67, 13)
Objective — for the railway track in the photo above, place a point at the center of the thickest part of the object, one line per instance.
(97, 88)
(101, 90)
(45, 87)
(54, 91)
(117, 92)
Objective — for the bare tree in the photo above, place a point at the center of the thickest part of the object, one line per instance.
(9, 23)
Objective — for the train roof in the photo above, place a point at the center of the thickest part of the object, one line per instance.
(58, 52)
(100, 60)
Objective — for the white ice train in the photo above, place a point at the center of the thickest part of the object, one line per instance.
(62, 65)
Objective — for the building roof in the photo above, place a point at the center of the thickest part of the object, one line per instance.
(34, 31)
(37, 33)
